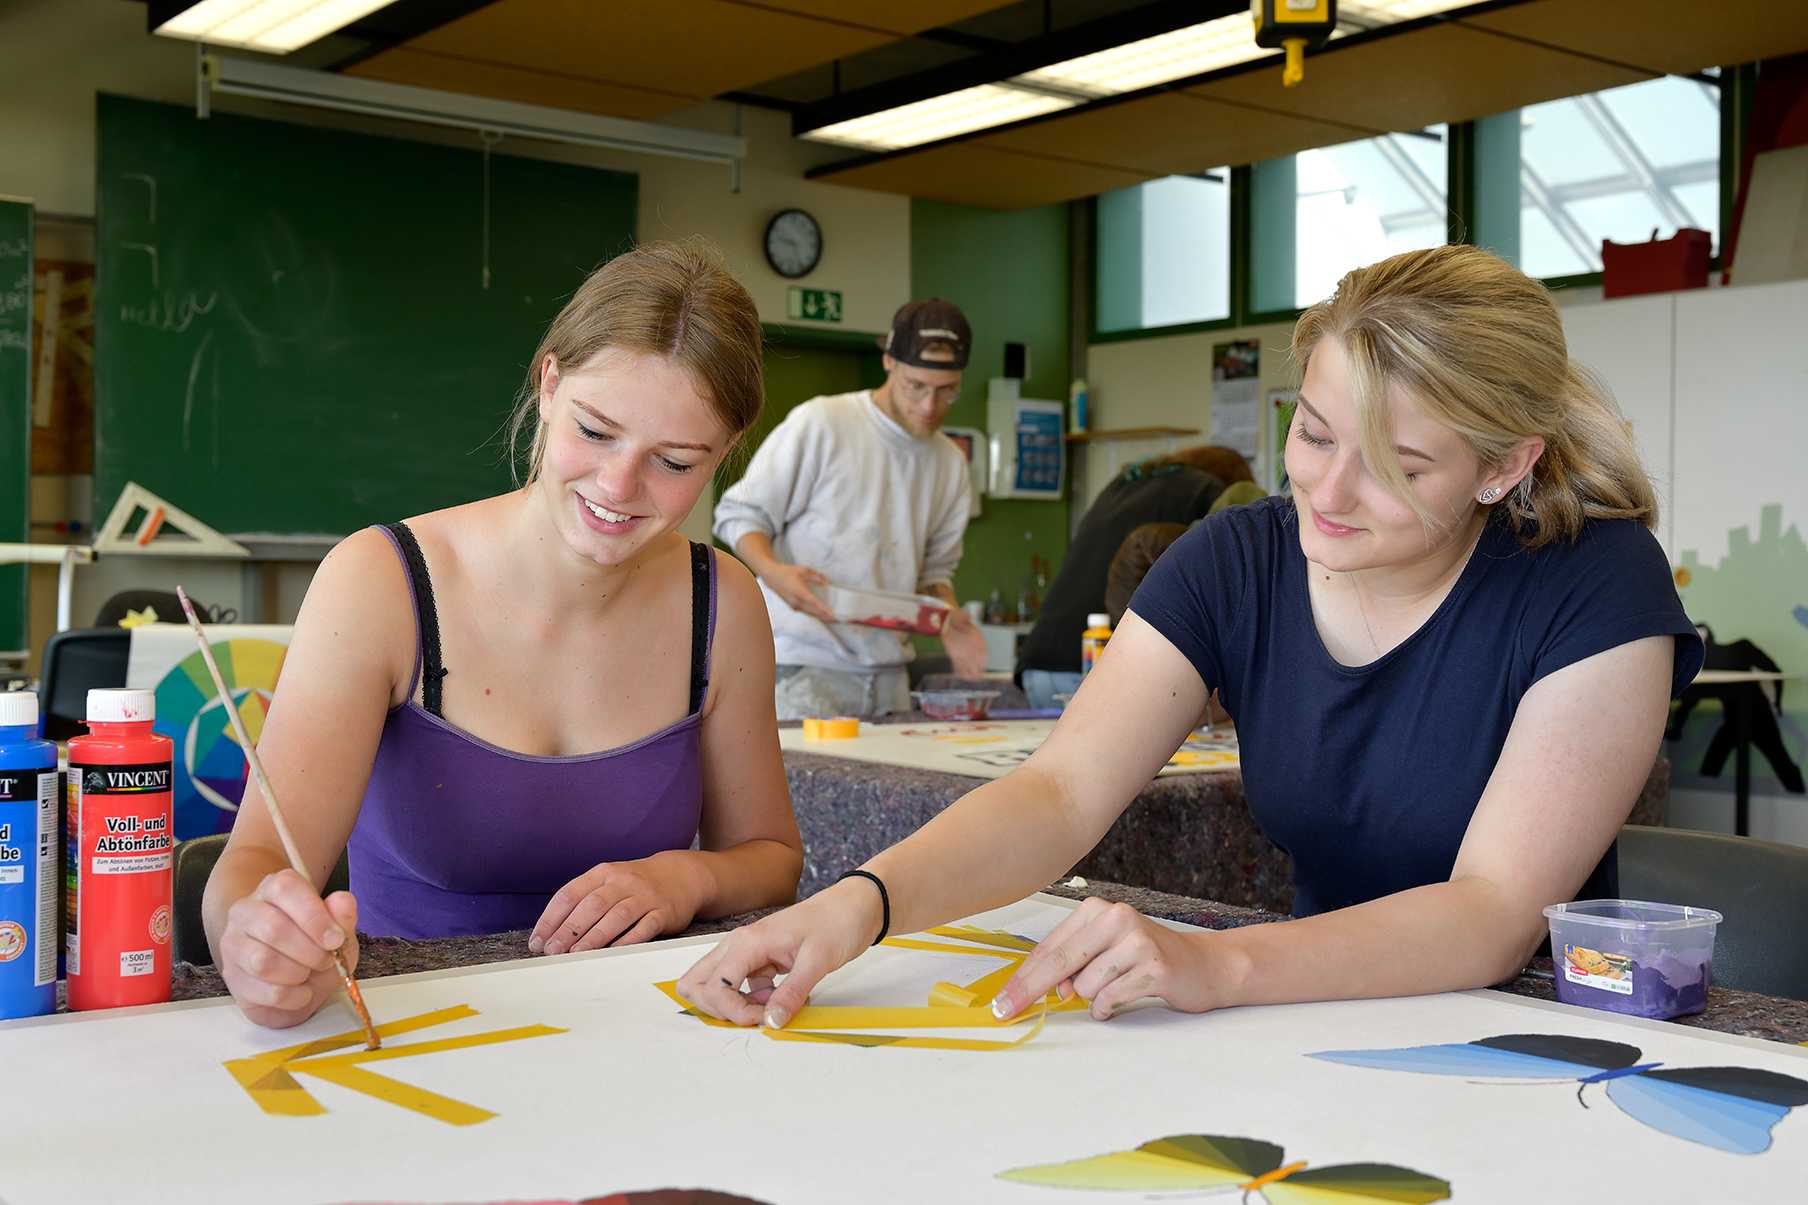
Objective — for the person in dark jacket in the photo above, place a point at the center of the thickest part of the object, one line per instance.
(1177, 488)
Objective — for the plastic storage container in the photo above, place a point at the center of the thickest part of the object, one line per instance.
(1632, 956)
(955, 704)
(918, 613)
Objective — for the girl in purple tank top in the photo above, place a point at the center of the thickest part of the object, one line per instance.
(546, 710)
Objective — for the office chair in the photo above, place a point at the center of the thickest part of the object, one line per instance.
(76, 662)
(195, 860)
(1760, 887)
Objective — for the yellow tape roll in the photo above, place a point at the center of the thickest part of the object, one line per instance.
(838, 729)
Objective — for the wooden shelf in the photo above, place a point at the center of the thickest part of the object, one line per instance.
(1087, 437)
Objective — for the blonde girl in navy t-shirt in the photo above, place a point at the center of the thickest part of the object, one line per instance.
(1449, 656)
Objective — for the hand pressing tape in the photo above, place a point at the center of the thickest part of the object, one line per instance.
(838, 729)
(950, 1006)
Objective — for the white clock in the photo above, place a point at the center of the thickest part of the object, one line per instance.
(793, 243)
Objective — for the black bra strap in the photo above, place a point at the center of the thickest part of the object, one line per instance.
(426, 615)
(700, 586)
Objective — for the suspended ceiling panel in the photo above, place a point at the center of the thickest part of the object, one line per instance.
(1170, 133)
(404, 65)
(687, 50)
(1661, 35)
(1412, 80)
(973, 173)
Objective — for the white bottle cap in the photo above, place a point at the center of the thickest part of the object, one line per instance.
(1098, 619)
(18, 708)
(121, 706)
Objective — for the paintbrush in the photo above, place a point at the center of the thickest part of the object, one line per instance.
(371, 1040)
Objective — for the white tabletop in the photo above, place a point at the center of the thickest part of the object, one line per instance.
(1722, 677)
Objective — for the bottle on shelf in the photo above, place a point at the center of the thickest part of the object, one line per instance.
(1093, 639)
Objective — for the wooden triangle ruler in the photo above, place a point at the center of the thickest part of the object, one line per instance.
(164, 529)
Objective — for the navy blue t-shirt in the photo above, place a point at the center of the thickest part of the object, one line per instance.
(1368, 775)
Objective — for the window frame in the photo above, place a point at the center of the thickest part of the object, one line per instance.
(1736, 87)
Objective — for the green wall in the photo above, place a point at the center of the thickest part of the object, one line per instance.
(1009, 273)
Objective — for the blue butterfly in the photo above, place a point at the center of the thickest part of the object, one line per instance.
(1727, 1108)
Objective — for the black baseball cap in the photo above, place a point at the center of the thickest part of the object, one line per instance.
(932, 323)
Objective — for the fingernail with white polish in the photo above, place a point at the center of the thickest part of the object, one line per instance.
(775, 1018)
(1000, 1010)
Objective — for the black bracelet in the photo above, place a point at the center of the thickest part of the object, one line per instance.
(884, 900)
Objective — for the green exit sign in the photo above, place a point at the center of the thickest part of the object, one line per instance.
(818, 305)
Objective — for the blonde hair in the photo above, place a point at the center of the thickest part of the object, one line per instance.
(667, 299)
(1479, 346)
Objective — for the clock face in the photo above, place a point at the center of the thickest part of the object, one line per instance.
(793, 243)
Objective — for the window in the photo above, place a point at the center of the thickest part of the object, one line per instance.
(1608, 165)
(1320, 213)
(1163, 253)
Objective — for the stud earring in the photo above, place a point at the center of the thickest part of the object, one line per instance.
(1488, 495)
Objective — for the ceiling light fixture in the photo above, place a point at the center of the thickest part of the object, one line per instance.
(1180, 53)
(943, 117)
(1184, 53)
(273, 26)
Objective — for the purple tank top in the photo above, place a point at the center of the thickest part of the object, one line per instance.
(456, 835)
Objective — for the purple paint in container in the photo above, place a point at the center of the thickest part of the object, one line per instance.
(1633, 956)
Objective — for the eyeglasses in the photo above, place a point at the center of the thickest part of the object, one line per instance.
(912, 390)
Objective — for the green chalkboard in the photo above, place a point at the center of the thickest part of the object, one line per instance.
(292, 329)
(15, 410)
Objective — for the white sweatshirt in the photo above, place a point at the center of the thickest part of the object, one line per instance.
(843, 489)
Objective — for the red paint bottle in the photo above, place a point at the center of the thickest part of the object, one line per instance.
(119, 846)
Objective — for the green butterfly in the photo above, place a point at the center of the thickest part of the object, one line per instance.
(1202, 1162)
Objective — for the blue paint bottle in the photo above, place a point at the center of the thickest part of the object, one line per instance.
(30, 870)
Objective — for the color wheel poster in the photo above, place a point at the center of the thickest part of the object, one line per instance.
(209, 776)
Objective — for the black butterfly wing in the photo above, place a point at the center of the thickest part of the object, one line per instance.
(1589, 1052)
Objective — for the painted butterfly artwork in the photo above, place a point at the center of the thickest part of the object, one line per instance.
(1728, 1108)
(1203, 1162)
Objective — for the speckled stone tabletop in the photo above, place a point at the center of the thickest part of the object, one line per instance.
(1735, 1012)
(1189, 834)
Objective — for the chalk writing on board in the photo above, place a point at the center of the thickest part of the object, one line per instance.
(16, 299)
(13, 248)
(188, 397)
(168, 313)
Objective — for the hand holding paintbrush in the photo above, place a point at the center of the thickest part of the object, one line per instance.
(371, 1040)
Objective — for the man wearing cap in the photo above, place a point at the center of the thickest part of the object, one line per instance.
(862, 490)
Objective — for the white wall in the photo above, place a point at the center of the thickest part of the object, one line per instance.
(1163, 381)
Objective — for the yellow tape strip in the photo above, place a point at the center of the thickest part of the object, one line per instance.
(268, 1080)
(939, 947)
(813, 1016)
(977, 994)
(406, 1096)
(987, 937)
(463, 1042)
(882, 1039)
(950, 1005)
(276, 1091)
